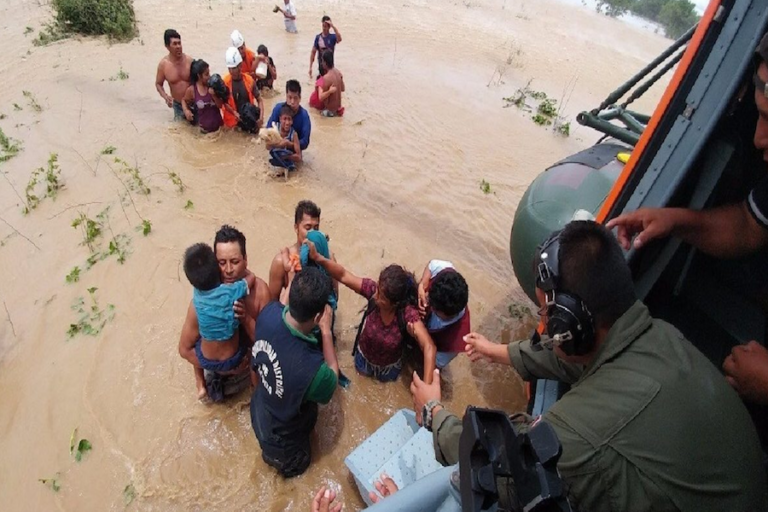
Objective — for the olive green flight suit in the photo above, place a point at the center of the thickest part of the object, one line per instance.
(650, 424)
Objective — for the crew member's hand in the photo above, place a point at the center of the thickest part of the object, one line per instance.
(324, 501)
(326, 320)
(423, 301)
(477, 346)
(385, 486)
(647, 223)
(423, 392)
(313, 254)
(746, 369)
(169, 101)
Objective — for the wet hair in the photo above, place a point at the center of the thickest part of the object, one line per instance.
(227, 234)
(309, 294)
(306, 207)
(293, 86)
(592, 266)
(285, 110)
(448, 293)
(196, 70)
(201, 267)
(262, 50)
(398, 286)
(328, 59)
(326, 18)
(170, 34)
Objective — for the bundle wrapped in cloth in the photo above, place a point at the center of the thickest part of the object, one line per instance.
(270, 135)
(220, 89)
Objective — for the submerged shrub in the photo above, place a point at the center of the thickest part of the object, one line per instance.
(113, 18)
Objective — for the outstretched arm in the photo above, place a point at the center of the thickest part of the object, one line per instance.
(419, 331)
(426, 277)
(336, 271)
(726, 232)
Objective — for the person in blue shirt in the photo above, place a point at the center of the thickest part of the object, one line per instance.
(324, 41)
(301, 123)
(213, 302)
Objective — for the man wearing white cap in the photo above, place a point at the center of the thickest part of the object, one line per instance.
(243, 92)
(250, 59)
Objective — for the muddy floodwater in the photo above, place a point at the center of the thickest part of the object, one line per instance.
(398, 179)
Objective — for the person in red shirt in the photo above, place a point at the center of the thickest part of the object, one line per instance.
(391, 317)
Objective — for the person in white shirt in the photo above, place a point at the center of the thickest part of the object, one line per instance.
(289, 13)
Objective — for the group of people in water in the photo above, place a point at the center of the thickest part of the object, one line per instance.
(649, 424)
(280, 332)
(235, 101)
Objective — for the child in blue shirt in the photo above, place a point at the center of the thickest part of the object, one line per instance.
(213, 301)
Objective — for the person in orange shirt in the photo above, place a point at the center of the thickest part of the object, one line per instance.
(236, 112)
(250, 59)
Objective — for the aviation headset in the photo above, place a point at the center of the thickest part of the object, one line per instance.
(569, 322)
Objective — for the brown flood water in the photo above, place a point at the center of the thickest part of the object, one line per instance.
(398, 179)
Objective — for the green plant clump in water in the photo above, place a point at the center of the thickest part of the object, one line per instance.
(28, 30)
(189, 205)
(564, 129)
(108, 150)
(145, 227)
(129, 494)
(485, 187)
(136, 180)
(74, 275)
(50, 175)
(113, 18)
(547, 108)
(53, 483)
(50, 34)
(121, 75)
(90, 228)
(176, 180)
(92, 319)
(541, 120)
(10, 147)
(17, 107)
(32, 101)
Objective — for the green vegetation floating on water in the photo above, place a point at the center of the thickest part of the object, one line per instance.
(129, 494)
(50, 176)
(108, 150)
(52, 483)
(189, 205)
(136, 181)
(73, 276)
(10, 147)
(91, 321)
(676, 16)
(32, 101)
(176, 180)
(546, 112)
(485, 187)
(113, 18)
(121, 75)
(145, 227)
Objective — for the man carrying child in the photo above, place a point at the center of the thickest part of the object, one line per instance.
(225, 362)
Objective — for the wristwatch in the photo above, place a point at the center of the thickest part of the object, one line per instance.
(426, 413)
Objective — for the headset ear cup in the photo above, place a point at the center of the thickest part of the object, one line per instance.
(569, 314)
